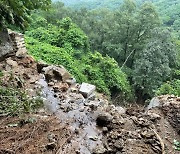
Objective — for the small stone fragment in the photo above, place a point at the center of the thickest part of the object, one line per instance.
(99, 150)
(21, 53)
(94, 138)
(153, 103)
(71, 81)
(40, 66)
(11, 62)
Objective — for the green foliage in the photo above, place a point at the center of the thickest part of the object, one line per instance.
(109, 73)
(15, 102)
(177, 145)
(178, 53)
(172, 87)
(96, 4)
(54, 55)
(169, 10)
(1, 73)
(17, 11)
(153, 66)
(64, 34)
(93, 68)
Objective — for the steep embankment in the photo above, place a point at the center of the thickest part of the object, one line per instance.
(76, 119)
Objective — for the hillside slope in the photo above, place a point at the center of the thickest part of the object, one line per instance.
(67, 124)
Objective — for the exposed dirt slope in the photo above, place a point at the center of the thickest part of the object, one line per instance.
(32, 134)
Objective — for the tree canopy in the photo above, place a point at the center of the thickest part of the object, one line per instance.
(16, 12)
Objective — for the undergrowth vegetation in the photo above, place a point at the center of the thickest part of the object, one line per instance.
(15, 102)
(172, 87)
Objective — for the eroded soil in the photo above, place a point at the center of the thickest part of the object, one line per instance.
(32, 134)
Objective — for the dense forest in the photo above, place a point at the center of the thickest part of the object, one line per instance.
(129, 49)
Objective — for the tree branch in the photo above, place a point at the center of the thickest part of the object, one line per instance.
(127, 58)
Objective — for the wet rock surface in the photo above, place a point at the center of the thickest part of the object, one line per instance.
(56, 73)
(71, 108)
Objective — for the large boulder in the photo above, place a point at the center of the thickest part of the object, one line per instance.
(87, 89)
(56, 73)
(154, 103)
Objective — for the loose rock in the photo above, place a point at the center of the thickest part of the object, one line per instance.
(11, 62)
(87, 89)
(104, 119)
(21, 53)
(57, 73)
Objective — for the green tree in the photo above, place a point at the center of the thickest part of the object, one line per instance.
(176, 27)
(155, 63)
(144, 21)
(17, 11)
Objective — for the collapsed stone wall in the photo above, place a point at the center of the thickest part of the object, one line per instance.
(11, 43)
(17, 40)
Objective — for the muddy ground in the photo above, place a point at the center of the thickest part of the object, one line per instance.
(70, 123)
(33, 134)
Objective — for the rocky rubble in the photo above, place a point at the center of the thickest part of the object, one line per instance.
(144, 130)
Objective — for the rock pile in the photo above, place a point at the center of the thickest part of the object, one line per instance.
(131, 130)
(12, 43)
(139, 130)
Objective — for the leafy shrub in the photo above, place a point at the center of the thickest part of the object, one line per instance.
(172, 87)
(15, 102)
(65, 32)
(107, 69)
